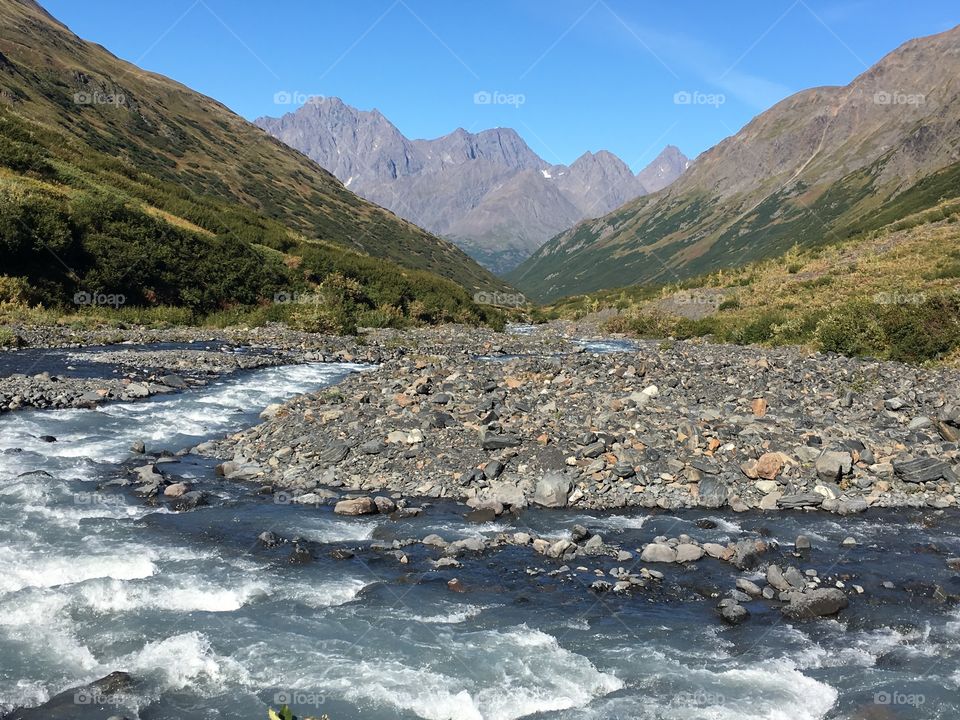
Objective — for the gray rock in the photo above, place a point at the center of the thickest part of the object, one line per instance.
(923, 469)
(852, 506)
(685, 552)
(713, 492)
(746, 554)
(658, 553)
(491, 441)
(776, 579)
(552, 490)
(815, 603)
(794, 578)
(356, 506)
(734, 614)
(801, 500)
(832, 465)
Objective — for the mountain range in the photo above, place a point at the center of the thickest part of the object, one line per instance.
(488, 191)
(821, 165)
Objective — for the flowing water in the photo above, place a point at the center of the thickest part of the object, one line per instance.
(212, 624)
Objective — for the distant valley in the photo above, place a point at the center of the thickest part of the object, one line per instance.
(488, 192)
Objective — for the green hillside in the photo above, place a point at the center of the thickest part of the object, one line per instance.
(821, 166)
(115, 180)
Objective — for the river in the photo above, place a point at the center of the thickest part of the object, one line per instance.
(212, 624)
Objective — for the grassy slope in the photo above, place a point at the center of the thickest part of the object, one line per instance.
(164, 134)
(891, 292)
(588, 261)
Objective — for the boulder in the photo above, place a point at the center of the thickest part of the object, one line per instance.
(385, 505)
(815, 603)
(733, 613)
(715, 550)
(658, 553)
(687, 552)
(776, 579)
(491, 441)
(925, 469)
(552, 490)
(832, 465)
(713, 492)
(769, 466)
(746, 554)
(800, 500)
(356, 506)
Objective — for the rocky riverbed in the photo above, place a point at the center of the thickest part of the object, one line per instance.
(430, 536)
(501, 422)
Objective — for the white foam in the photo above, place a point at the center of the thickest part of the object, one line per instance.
(330, 594)
(773, 690)
(726, 525)
(490, 675)
(323, 530)
(453, 617)
(18, 572)
(23, 693)
(40, 622)
(186, 661)
(187, 595)
(618, 522)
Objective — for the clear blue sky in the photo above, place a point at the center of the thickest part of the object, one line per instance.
(593, 74)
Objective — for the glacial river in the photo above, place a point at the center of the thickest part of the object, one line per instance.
(212, 624)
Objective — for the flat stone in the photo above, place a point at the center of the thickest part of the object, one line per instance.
(923, 469)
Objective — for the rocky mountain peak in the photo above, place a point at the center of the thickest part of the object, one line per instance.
(488, 191)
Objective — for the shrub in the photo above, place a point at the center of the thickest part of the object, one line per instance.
(927, 331)
(852, 329)
(760, 330)
(8, 338)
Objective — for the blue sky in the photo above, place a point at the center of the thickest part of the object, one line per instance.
(568, 75)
